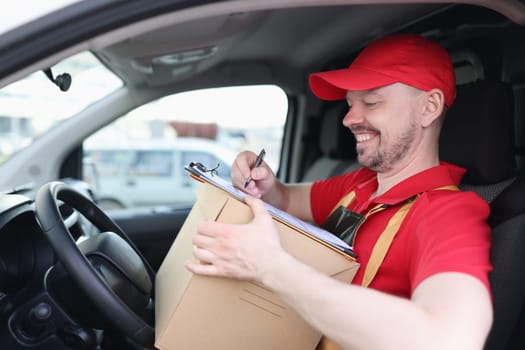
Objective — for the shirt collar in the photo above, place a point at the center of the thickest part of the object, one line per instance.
(442, 175)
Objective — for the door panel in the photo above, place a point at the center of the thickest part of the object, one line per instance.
(153, 230)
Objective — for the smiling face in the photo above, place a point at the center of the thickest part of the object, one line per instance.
(386, 125)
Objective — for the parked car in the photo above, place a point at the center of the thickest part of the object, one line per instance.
(152, 173)
(70, 69)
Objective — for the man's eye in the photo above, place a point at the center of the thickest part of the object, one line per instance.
(370, 104)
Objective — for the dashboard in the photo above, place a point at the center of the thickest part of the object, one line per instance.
(37, 298)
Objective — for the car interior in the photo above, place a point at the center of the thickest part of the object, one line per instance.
(58, 288)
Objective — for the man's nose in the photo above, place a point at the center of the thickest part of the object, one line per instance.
(353, 116)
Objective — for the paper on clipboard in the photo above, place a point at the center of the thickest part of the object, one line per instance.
(201, 174)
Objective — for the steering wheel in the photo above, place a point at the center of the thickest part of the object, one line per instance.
(104, 265)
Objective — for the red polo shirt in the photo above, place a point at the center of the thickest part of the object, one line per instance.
(444, 231)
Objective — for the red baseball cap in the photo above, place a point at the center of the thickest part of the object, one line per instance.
(402, 58)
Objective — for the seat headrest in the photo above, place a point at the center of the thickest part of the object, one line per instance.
(328, 132)
(478, 132)
(335, 140)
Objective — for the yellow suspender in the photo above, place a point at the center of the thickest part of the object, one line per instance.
(385, 239)
(383, 243)
(344, 202)
(380, 248)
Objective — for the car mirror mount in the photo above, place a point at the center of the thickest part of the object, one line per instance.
(63, 81)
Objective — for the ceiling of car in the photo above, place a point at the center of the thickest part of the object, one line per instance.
(277, 40)
(307, 38)
(305, 35)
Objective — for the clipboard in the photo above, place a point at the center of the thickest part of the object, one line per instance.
(201, 173)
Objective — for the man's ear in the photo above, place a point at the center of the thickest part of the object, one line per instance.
(433, 106)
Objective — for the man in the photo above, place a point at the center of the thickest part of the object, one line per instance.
(431, 290)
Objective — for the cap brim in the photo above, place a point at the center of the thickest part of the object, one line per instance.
(333, 85)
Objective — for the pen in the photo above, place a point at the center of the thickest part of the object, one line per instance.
(258, 162)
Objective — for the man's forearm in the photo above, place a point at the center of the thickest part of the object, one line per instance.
(359, 318)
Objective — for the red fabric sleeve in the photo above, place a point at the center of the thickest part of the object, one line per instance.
(451, 235)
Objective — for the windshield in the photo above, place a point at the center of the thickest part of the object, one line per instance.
(30, 106)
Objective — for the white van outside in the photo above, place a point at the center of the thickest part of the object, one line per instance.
(151, 173)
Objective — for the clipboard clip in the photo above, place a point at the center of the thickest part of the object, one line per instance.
(204, 169)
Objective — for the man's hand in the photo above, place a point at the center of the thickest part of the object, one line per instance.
(263, 178)
(245, 251)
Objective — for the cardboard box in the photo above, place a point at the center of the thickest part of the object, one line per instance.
(196, 312)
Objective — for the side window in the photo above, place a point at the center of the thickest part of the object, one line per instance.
(468, 67)
(139, 159)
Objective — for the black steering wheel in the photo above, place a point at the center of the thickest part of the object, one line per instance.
(106, 266)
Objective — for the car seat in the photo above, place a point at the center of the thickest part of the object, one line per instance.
(337, 146)
(478, 134)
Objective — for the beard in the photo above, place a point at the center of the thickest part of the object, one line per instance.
(384, 159)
